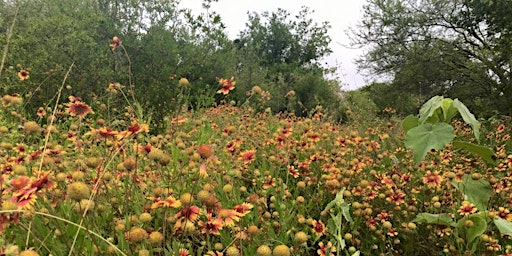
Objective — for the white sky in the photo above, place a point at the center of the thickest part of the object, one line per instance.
(340, 14)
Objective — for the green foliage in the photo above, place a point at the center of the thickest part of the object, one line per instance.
(438, 219)
(432, 129)
(460, 49)
(426, 137)
(339, 211)
(477, 192)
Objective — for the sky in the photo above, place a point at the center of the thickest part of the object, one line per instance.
(340, 14)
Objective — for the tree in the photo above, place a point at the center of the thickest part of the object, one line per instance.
(288, 52)
(459, 48)
(50, 36)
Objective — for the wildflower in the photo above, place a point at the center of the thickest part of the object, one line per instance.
(467, 208)
(41, 112)
(318, 228)
(281, 250)
(31, 127)
(229, 216)
(183, 82)
(243, 209)
(248, 156)
(130, 163)
(327, 249)
(500, 128)
(78, 191)
(115, 43)
(114, 87)
(292, 171)
(263, 250)
(205, 151)
(202, 170)
(104, 132)
(170, 201)
(227, 85)
(23, 75)
(443, 230)
(77, 108)
(504, 213)
(232, 251)
(256, 89)
(396, 197)
(432, 179)
(269, 182)
(136, 235)
(190, 213)
(28, 252)
(211, 226)
(136, 128)
(300, 237)
(289, 94)
(183, 252)
(155, 237)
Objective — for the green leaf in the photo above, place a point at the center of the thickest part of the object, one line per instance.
(425, 137)
(428, 109)
(484, 152)
(478, 228)
(468, 118)
(409, 122)
(439, 219)
(345, 210)
(449, 111)
(504, 226)
(477, 192)
(338, 201)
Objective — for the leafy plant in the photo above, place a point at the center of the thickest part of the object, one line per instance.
(338, 210)
(472, 226)
(432, 129)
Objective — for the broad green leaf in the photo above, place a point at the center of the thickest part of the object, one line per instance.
(484, 152)
(504, 226)
(449, 111)
(428, 109)
(409, 122)
(477, 192)
(338, 201)
(468, 118)
(431, 218)
(345, 210)
(425, 137)
(356, 253)
(478, 228)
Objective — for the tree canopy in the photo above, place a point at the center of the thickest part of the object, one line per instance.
(160, 43)
(458, 48)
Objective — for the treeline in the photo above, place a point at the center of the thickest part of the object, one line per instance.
(159, 44)
(457, 48)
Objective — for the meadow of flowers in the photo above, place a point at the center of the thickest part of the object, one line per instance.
(230, 180)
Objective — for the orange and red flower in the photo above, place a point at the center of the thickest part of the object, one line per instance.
(115, 43)
(243, 209)
(326, 249)
(23, 75)
(467, 208)
(248, 156)
(318, 227)
(78, 108)
(227, 85)
(211, 226)
(170, 201)
(432, 179)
